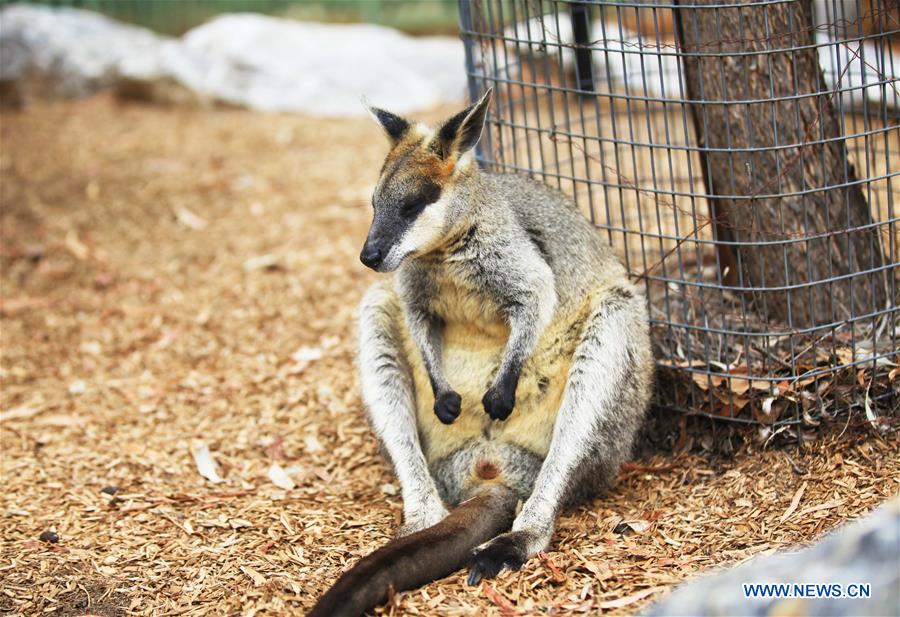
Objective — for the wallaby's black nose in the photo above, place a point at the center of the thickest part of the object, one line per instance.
(371, 256)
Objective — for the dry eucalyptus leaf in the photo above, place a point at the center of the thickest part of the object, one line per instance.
(279, 477)
(206, 465)
(257, 578)
(307, 354)
(189, 219)
(262, 262)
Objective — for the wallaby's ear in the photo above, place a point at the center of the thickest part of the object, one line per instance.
(393, 125)
(461, 132)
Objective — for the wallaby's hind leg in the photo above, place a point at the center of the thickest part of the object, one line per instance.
(387, 391)
(602, 408)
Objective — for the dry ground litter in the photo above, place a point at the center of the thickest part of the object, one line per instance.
(179, 281)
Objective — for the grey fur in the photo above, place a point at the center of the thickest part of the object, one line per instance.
(453, 472)
(387, 389)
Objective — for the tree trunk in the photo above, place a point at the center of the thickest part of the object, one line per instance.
(771, 142)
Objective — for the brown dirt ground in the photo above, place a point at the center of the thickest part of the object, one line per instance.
(160, 269)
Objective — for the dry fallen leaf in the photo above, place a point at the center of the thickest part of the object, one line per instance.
(279, 477)
(204, 460)
(286, 523)
(870, 413)
(637, 526)
(75, 246)
(795, 501)
(599, 569)
(631, 599)
(312, 443)
(62, 420)
(18, 413)
(257, 578)
(189, 219)
(262, 262)
(11, 306)
(828, 505)
(498, 599)
(555, 573)
(307, 354)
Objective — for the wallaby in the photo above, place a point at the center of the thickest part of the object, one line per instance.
(508, 359)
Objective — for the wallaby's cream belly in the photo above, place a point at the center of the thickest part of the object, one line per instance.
(473, 348)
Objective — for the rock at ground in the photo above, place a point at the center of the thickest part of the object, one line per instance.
(69, 51)
(282, 65)
(250, 60)
(866, 552)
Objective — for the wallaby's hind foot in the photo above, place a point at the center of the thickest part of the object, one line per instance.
(508, 550)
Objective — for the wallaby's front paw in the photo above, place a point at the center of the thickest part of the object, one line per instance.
(505, 551)
(447, 406)
(499, 401)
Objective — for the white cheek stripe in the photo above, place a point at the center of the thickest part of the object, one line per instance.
(424, 233)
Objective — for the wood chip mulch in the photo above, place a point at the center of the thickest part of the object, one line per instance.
(181, 429)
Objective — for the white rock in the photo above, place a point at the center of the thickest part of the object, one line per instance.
(260, 62)
(282, 65)
(77, 52)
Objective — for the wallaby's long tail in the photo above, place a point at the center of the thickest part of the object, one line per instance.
(421, 557)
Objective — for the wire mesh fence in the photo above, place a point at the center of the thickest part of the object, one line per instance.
(742, 158)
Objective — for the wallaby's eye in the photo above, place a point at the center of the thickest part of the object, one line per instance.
(415, 203)
(412, 208)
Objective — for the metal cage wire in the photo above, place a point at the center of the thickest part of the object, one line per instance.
(757, 210)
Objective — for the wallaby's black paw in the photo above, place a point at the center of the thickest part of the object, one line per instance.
(499, 401)
(447, 406)
(506, 551)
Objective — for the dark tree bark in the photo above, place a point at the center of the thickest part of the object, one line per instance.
(764, 92)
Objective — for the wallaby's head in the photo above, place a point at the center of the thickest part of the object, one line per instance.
(413, 200)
